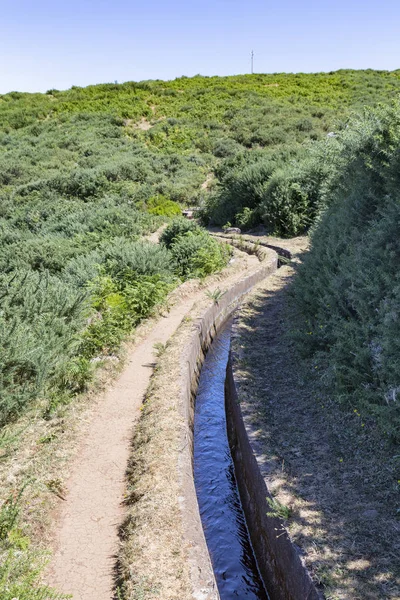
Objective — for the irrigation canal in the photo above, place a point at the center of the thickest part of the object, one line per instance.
(224, 523)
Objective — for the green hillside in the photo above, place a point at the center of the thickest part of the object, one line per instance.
(202, 120)
(85, 173)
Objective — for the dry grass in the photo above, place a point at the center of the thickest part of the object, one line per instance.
(152, 559)
(327, 464)
(144, 125)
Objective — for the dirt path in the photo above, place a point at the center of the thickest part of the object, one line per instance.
(155, 236)
(86, 540)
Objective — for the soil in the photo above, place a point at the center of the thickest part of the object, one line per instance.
(206, 184)
(155, 236)
(326, 464)
(143, 124)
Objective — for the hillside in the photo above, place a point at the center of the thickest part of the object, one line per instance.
(87, 174)
(203, 120)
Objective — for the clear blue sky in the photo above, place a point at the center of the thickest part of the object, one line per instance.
(58, 43)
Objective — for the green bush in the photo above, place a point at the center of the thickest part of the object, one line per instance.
(39, 326)
(20, 566)
(285, 208)
(285, 196)
(162, 206)
(143, 258)
(197, 254)
(242, 188)
(247, 218)
(120, 305)
(177, 228)
(20, 576)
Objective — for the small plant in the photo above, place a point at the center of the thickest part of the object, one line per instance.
(278, 510)
(77, 374)
(47, 439)
(9, 513)
(215, 295)
(197, 254)
(159, 349)
(56, 487)
(20, 566)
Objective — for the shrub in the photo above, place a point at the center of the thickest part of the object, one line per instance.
(247, 218)
(20, 576)
(162, 206)
(82, 269)
(121, 304)
(143, 258)
(177, 228)
(225, 147)
(242, 188)
(197, 254)
(82, 183)
(284, 208)
(40, 320)
(211, 258)
(20, 566)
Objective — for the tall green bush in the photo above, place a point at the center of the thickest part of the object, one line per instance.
(177, 228)
(197, 254)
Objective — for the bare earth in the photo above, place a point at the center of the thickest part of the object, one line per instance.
(86, 535)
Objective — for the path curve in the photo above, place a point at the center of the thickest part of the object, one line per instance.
(86, 538)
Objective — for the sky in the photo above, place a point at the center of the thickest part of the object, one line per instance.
(48, 44)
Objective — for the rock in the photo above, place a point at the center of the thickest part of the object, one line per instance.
(232, 230)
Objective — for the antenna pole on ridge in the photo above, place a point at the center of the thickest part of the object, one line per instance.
(252, 62)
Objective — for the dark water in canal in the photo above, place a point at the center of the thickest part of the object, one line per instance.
(221, 511)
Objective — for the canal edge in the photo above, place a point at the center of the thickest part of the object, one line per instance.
(201, 573)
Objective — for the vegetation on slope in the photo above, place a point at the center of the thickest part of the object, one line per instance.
(54, 320)
(143, 139)
(56, 325)
(331, 475)
(270, 184)
(78, 169)
(347, 291)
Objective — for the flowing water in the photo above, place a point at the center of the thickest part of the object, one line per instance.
(224, 524)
